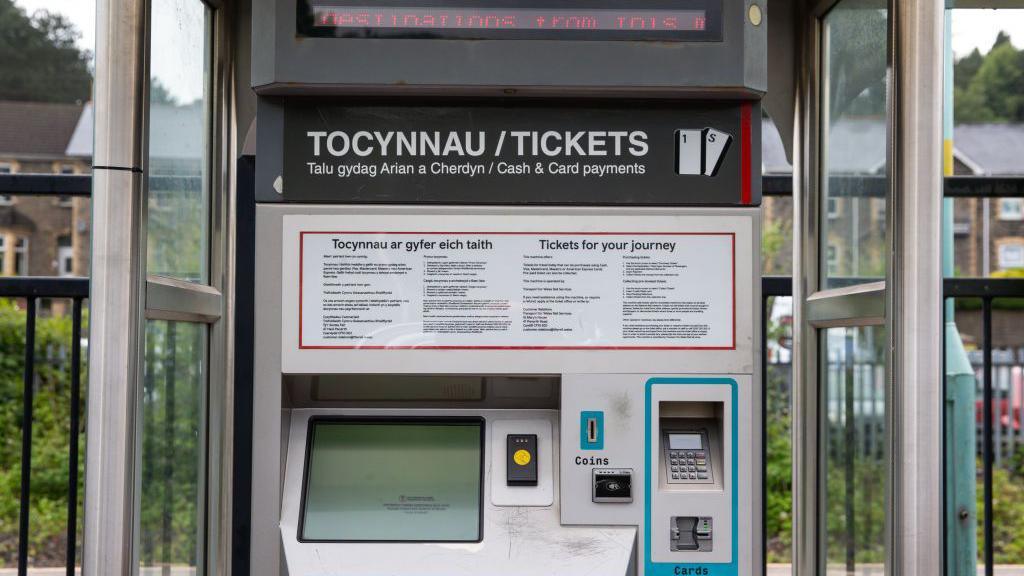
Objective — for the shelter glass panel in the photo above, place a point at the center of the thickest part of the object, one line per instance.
(855, 449)
(179, 137)
(172, 446)
(854, 138)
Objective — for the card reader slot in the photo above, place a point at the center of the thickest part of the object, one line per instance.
(690, 534)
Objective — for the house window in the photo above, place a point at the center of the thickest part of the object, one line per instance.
(65, 201)
(6, 199)
(21, 257)
(65, 257)
(833, 261)
(833, 208)
(1011, 209)
(1011, 256)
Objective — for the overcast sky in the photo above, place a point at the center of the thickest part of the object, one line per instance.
(181, 45)
(978, 29)
(971, 28)
(81, 12)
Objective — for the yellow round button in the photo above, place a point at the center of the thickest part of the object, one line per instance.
(521, 457)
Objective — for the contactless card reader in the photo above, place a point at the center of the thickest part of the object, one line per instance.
(521, 458)
(612, 485)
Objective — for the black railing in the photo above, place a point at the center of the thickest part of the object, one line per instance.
(987, 290)
(984, 289)
(46, 184)
(30, 290)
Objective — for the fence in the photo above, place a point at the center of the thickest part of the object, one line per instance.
(999, 383)
(29, 291)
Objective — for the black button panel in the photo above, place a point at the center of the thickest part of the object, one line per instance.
(521, 460)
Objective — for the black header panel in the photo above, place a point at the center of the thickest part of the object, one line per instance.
(655, 20)
(687, 154)
(630, 49)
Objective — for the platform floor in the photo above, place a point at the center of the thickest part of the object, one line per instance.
(876, 570)
(773, 570)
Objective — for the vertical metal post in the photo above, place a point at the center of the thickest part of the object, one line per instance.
(766, 301)
(167, 450)
(960, 468)
(986, 434)
(147, 469)
(986, 237)
(997, 416)
(915, 293)
(849, 449)
(245, 281)
(26, 433)
(117, 287)
(73, 433)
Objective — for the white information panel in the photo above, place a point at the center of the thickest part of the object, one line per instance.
(507, 289)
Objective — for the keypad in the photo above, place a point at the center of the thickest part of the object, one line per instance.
(688, 465)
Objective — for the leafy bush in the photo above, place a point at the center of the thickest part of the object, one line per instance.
(778, 471)
(50, 417)
(1007, 512)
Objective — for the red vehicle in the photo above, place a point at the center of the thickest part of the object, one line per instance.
(1007, 396)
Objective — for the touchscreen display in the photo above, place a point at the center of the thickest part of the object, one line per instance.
(391, 480)
(684, 442)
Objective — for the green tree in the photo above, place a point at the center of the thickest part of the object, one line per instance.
(40, 61)
(1000, 82)
(969, 107)
(160, 94)
(990, 87)
(966, 68)
(774, 237)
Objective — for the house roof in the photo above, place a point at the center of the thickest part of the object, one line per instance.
(12, 219)
(36, 129)
(987, 149)
(173, 128)
(858, 147)
(80, 143)
(990, 149)
(857, 143)
(773, 153)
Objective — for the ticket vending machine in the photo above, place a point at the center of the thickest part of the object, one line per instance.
(507, 287)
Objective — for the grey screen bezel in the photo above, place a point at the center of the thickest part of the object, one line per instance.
(476, 421)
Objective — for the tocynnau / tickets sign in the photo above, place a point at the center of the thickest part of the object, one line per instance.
(692, 154)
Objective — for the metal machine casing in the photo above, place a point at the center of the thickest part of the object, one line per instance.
(586, 380)
(285, 64)
(593, 405)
